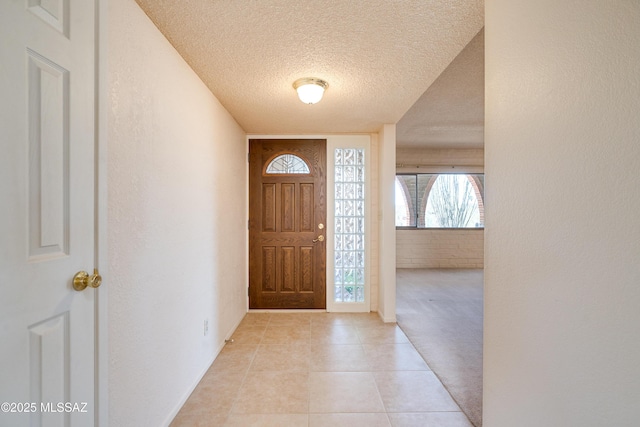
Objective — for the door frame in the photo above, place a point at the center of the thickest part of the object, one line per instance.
(100, 223)
(365, 141)
(313, 153)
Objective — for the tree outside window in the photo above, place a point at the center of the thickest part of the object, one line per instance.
(440, 200)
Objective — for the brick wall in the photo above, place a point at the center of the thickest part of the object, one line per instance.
(440, 248)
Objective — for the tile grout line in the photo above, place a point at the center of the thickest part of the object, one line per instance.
(244, 377)
(386, 411)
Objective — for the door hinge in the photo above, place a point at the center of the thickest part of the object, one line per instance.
(248, 157)
(248, 224)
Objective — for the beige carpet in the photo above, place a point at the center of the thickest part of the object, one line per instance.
(441, 313)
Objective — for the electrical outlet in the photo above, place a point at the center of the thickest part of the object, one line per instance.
(206, 327)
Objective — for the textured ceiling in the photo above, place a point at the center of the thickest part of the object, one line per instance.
(450, 114)
(379, 56)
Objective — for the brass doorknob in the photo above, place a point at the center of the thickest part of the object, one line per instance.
(319, 239)
(82, 279)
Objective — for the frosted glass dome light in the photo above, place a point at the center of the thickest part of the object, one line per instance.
(310, 89)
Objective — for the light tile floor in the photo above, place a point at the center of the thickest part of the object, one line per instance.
(319, 369)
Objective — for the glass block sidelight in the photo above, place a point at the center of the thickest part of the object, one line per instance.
(349, 252)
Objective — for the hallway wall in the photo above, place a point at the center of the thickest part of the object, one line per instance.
(176, 229)
(562, 232)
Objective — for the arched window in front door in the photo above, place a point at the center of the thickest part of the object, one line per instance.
(288, 164)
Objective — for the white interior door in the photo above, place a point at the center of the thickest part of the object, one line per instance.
(47, 181)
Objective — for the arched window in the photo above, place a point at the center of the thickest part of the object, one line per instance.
(440, 200)
(452, 203)
(288, 164)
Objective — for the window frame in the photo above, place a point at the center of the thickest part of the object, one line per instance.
(439, 172)
(267, 164)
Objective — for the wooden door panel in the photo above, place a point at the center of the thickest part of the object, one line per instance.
(286, 268)
(269, 275)
(288, 206)
(268, 207)
(288, 262)
(306, 208)
(306, 268)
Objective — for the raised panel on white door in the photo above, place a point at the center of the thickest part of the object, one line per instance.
(47, 233)
(53, 12)
(48, 170)
(49, 368)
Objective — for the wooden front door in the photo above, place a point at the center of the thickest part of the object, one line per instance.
(287, 223)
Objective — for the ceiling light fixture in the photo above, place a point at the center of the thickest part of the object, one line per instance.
(310, 89)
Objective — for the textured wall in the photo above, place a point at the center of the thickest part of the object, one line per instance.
(562, 274)
(438, 248)
(176, 228)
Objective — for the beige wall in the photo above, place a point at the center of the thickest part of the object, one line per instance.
(176, 231)
(562, 250)
(436, 248)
